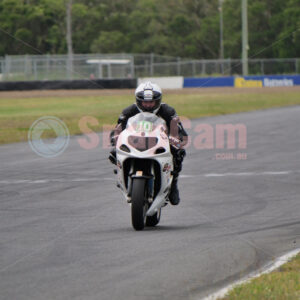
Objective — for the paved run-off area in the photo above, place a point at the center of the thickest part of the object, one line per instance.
(66, 234)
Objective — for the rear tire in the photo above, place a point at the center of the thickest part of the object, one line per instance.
(138, 204)
(152, 221)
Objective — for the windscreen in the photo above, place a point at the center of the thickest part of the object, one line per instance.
(144, 122)
(141, 125)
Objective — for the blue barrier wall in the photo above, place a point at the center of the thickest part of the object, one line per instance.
(208, 82)
(247, 81)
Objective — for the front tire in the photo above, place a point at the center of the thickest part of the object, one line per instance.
(138, 204)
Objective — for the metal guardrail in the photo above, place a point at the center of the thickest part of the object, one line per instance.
(120, 66)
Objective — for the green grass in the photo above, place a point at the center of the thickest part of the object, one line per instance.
(283, 284)
(17, 115)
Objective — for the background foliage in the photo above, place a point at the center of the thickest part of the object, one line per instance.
(186, 28)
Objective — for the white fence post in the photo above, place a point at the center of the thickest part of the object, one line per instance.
(2, 69)
(178, 66)
(132, 73)
(262, 67)
(194, 68)
(151, 64)
(35, 70)
(203, 67)
(7, 67)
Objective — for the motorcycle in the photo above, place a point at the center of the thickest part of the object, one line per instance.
(144, 168)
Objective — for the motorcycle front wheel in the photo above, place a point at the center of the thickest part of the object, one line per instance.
(138, 203)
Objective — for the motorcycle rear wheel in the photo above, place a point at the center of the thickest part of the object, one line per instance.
(152, 221)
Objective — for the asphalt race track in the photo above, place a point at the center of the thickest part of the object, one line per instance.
(65, 230)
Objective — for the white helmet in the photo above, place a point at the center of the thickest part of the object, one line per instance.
(148, 92)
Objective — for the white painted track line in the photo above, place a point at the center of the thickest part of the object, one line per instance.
(270, 267)
(208, 175)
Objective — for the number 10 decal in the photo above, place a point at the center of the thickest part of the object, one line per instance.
(144, 126)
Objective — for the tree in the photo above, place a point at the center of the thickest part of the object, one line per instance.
(31, 28)
(186, 28)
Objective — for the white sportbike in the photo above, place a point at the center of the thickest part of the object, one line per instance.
(144, 167)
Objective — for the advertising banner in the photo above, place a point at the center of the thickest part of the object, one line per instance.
(243, 82)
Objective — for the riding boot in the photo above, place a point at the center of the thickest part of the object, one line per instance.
(113, 156)
(174, 194)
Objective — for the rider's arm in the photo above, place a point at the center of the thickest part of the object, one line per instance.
(115, 134)
(178, 136)
(122, 122)
(175, 127)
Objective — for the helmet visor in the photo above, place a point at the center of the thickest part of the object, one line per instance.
(148, 95)
(148, 105)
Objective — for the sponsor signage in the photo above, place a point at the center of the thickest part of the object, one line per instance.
(267, 81)
(278, 82)
(243, 82)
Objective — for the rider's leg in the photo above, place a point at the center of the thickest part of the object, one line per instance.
(178, 156)
(113, 156)
(174, 193)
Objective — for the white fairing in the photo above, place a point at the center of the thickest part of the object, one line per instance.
(147, 132)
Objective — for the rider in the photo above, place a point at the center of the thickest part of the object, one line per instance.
(148, 99)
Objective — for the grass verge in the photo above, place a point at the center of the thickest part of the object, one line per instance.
(17, 114)
(283, 284)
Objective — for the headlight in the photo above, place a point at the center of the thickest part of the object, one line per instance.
(142, 143)
(125, 148)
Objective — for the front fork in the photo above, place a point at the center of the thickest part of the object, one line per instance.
(134, 173)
